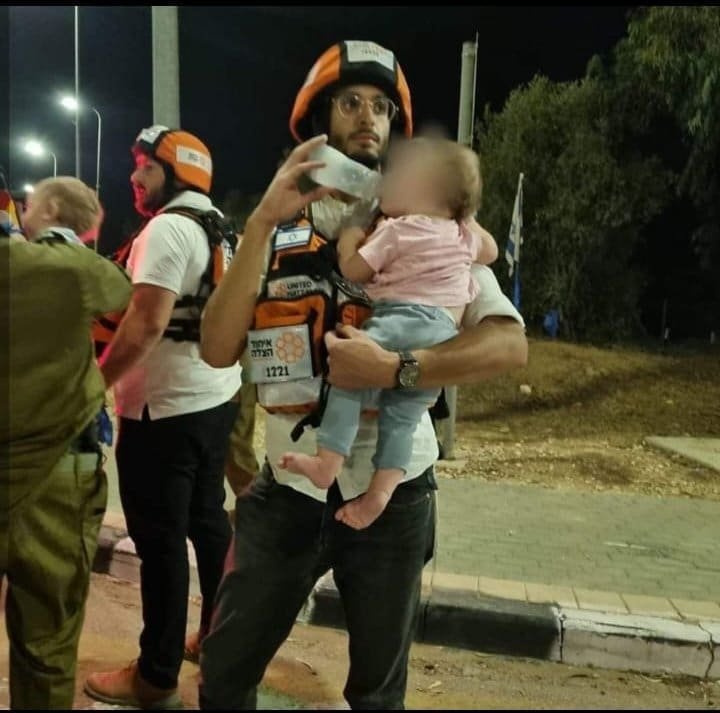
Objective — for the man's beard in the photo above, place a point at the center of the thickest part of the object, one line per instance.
(367, 160)
(151, 203)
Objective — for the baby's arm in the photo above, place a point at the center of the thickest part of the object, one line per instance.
(352, 265)
(487, 247)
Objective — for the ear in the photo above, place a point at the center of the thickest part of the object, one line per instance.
(51, 211)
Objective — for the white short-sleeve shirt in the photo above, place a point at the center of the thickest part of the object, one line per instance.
(172, 252)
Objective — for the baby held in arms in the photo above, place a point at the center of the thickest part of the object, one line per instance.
(415, 266)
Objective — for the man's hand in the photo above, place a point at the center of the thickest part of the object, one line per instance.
(283, 199)
(493, 347)
(357, 362)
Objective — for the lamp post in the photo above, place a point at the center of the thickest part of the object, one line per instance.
(71, 104)
(35, 148)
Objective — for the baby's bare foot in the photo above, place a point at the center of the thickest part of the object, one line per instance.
(364, 510)
(310, 466)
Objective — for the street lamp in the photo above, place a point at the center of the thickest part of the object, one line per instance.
(71, 104)
(35, 148)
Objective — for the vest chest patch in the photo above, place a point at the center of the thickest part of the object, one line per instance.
(280, 354)
(292, 237)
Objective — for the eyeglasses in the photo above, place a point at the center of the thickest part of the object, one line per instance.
(349, 104)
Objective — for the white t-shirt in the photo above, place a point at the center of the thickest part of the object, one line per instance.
(172, 252)
(358, 471)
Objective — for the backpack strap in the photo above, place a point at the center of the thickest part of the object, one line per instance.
(183, 329)
(314, 418)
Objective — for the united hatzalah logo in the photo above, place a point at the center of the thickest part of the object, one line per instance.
(277, 289)
(289, 348)
(291, 288)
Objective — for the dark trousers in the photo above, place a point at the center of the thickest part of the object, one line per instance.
(284, 541)
(171, 475)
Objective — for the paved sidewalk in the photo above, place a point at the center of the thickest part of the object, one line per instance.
(634, 544)
(701, 450)
(619, 581)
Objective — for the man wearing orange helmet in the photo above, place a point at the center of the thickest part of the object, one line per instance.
(286, 532)
(175, 414)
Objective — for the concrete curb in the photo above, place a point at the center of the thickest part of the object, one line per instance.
(497, 626)
(460, 616)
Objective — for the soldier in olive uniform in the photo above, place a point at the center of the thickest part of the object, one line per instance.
(53, 490)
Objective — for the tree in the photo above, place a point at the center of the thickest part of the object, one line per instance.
(669, 64)
(674, 52)
(586, 202)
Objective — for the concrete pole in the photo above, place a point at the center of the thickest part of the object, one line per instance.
(77, 92)
(468, 76)
(166, 71)
(466, 120)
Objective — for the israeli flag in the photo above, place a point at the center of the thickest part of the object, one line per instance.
(512, 251)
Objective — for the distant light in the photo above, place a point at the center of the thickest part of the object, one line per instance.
(34, 148)
(28, 188)
(70, 103)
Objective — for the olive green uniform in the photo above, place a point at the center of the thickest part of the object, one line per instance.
(52, 489)
(241, 464)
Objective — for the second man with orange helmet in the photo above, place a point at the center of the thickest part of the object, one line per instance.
(175, 413)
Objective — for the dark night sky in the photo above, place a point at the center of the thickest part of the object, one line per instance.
(241, 67)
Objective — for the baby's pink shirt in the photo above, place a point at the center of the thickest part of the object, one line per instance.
(422, 259)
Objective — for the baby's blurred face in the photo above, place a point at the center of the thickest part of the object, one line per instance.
(408, 185)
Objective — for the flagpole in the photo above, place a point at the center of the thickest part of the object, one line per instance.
(516, 288)
(466, 120)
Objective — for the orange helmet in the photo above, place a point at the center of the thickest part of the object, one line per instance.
(351, 62)
(187, 156)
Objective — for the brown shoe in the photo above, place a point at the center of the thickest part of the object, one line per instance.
(192, 648)
(127, 687)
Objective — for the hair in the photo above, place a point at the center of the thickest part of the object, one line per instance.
(77, 204)
(459, 171)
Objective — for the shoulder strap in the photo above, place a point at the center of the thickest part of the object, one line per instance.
(216, 230)
(216, 227)
(197, 216)
(52, 238)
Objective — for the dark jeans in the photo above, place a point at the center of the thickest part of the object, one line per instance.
(284, 541)
(171, 475)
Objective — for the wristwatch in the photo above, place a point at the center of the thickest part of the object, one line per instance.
(408, 373)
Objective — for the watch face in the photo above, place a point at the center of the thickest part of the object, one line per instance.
(409, 375)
